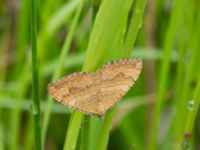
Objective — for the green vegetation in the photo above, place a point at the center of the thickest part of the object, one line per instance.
(41, 41)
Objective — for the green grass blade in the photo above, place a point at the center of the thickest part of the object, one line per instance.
(107, 36)
(85, 136)
(193, 45)
(36, 99)
(112, 25)
(59, 67)
(29, 133)
(22, 36)
(2, 78)
(2, 147)
(50, 28)
(135, 24)
(16, 112)
(105, 44)
(22, 41)
(164, 71)
(61, 16)
(105, 130)
(193, 113)
(73, 131)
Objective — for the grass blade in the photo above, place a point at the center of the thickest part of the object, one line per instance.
(164, 71)
(59, 67)
(36, 99)
(136, 23)
(192, 114)
(193, 45)
(102, 48)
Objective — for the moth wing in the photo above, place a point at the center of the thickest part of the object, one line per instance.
(116, 79)
(62, 89)
(78, 91)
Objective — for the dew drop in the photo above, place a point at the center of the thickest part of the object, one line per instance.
(185, 145)
(33, 109)
(140, 24)
(190, 105)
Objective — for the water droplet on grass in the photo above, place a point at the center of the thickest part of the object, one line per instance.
(34, 111)
(185, 145)
(190, 105)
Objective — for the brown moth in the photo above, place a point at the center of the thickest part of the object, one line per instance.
(94, 93)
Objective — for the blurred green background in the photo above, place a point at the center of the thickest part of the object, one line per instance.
(160, 112)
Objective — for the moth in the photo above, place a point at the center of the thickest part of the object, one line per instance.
(95, 93)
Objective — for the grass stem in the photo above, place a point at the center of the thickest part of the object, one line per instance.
(36, 99)
(58, 69)
(164, 71)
